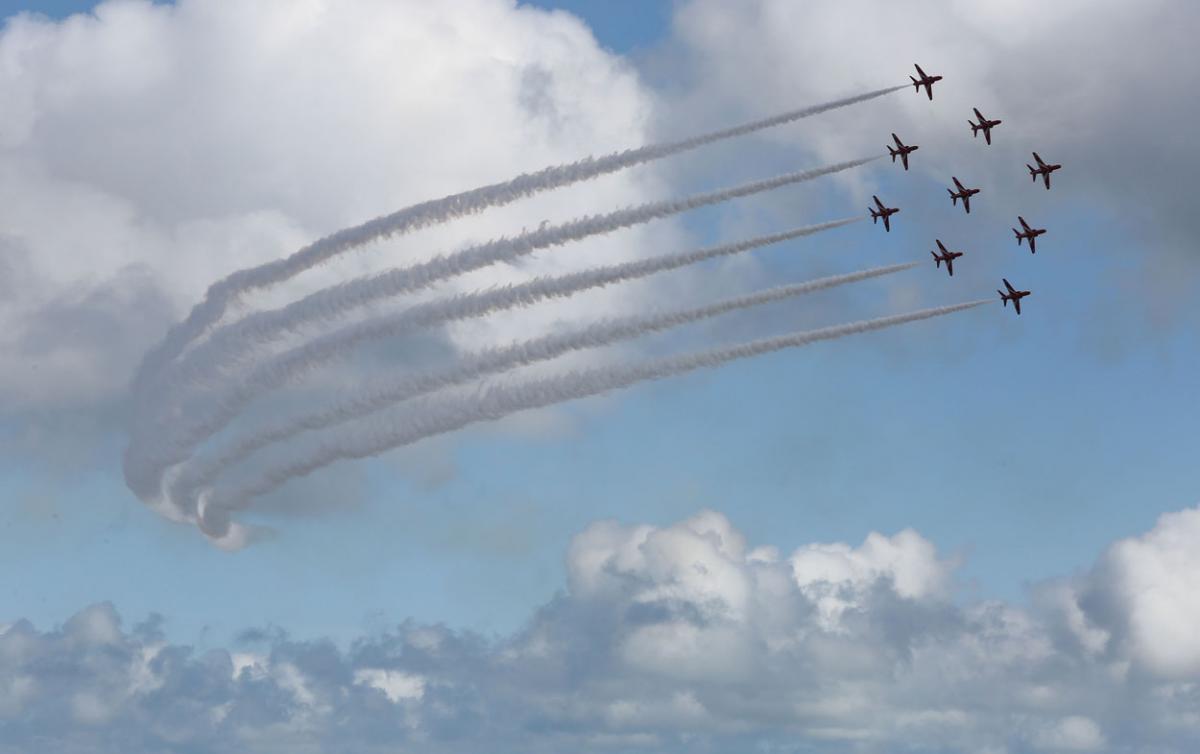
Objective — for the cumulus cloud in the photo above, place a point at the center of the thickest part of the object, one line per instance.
(667, 638)
(1097, 86)
(1055, 73)
(1141, 599)
(148, 149)
(1074, 733)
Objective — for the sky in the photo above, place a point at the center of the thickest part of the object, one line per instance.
(974, 533)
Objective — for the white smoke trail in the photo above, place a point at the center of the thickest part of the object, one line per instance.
(491, 361)
(143, 476)
(229, 342)
(501, 400)
(155, 447)
(223, 292)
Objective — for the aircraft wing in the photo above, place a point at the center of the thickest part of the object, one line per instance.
(1039, 160)
(919, 71)
(987, 135)
(1017, 305)
(956, 183)
(1008, 285)
(1046, 177)
(1024, 224)
(1032, 244)
(877, 202)
(979, 114)
(887, 225)
(896, 139)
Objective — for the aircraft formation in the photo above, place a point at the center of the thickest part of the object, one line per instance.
(985, 125)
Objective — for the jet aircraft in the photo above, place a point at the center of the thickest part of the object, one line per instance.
(1013, 295)
(984, 125)
(1029, 234)
(883, 212)
(963, 193)
(901, 151)
(946, 256)
(926, 81)
(1042, 169)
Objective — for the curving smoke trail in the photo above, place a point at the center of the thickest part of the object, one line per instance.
(223, 292)
(192, 479)
(152, 450)
(501, 400)
(229, 342)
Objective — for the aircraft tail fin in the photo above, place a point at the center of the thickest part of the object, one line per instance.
(1032, 172)
(1019, 236)
(1003, 298)
(937, 261)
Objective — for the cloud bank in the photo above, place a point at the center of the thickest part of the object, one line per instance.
(667, 638)
(149, 149)
(1077, 80)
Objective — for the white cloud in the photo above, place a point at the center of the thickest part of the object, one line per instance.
(150, 149)
(835, 575)
(1048, 70)
(395, 686)
(90, 709)
(1147, 587)
(98, 625)
(1073, 733)
(250, 662)
(1078, 81)
(14, 691)
(669, 638)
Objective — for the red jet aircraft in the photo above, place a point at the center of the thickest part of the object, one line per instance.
(1042, 169)
(984, 125)
(901, 151)
(1013, 295)
(947, 256)
(926, 81)
(1030, 234)
(963, 193)
(882, 212)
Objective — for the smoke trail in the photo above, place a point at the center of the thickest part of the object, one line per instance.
(502, 400)
(487, 362)
(261, 327)
(149, 455)
(221, 293)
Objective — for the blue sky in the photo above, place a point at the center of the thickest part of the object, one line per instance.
(969, 431)
(621, 25)
(1021, 447)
